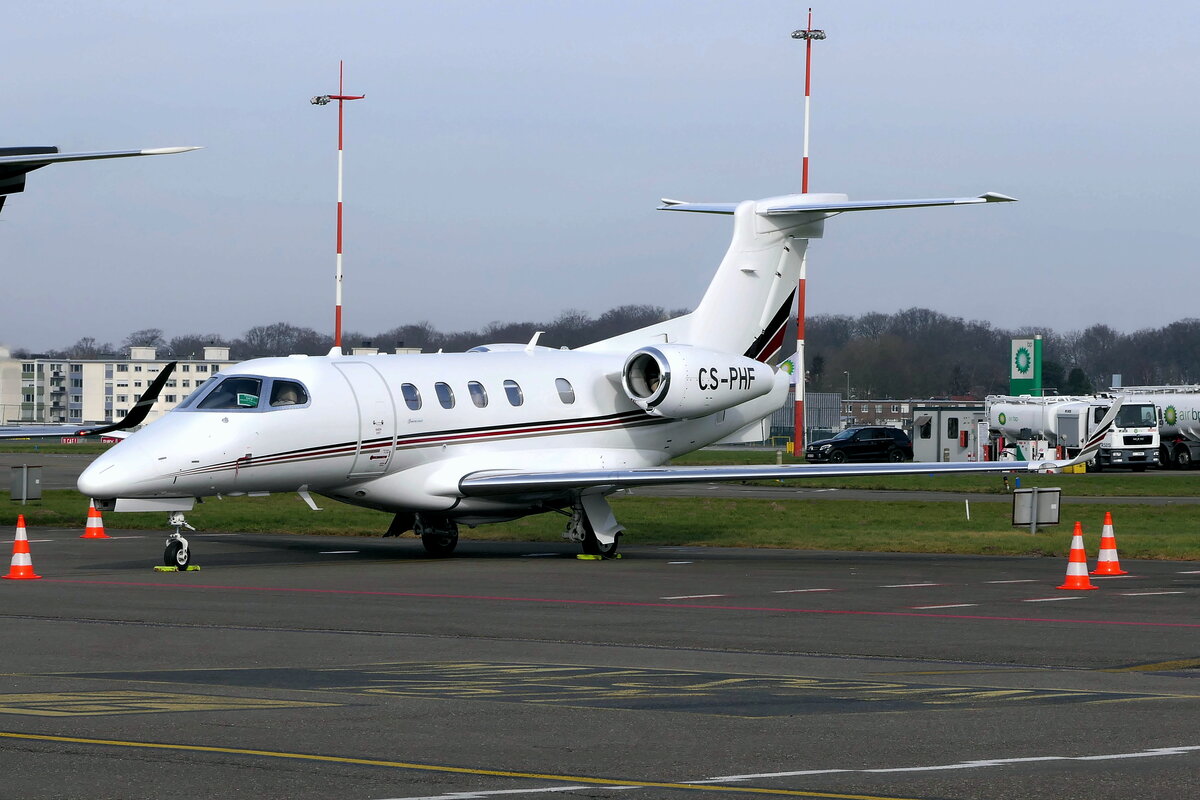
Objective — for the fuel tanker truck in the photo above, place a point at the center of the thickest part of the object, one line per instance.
(1036, 427)
(1178, 413)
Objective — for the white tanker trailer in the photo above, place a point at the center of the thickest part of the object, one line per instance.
(1035, 427)
(1178, 414)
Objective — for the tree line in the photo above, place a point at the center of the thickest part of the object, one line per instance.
(912, 353)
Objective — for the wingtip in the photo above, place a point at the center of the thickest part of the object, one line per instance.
(165, 151)
(996, 197)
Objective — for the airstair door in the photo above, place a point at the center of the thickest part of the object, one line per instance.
(376, 418)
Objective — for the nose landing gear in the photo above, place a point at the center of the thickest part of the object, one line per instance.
(177, 553)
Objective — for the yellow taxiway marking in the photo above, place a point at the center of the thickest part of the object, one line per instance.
(494, 773)
(1161, 666)
(77, 704)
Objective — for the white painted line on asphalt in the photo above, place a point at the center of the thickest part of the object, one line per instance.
(34, 541)
(1145, 594)
(1052, 599)
(795, 591)
(907, 585)
(1110, 577)
(691, 596)
(679, 562)
(952, 605)
(1022, 580)
(1190, 572)
(124, 537)
(338, 552)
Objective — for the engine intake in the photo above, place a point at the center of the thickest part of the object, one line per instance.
(683, 382)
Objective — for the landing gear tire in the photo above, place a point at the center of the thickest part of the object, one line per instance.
(439, 536)
(594, 547)
(177, 554)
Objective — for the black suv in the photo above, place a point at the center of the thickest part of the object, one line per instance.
(862, 444)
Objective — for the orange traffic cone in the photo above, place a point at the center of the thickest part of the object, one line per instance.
(1107, 562)
(95, 523)
(1077, 571)
(22, 564)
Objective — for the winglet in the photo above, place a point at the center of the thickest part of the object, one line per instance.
(140, 409)
(1092, 445)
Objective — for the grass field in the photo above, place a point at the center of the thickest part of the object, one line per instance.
(1171, 531)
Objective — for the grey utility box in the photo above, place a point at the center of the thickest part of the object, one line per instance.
(26, 483)
(1035, 507)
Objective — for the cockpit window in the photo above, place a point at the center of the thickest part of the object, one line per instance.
(234, 393)
(200, 389)
(288, 393)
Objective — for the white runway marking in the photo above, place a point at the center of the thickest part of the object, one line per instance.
(1158, 752)
(907, 585)
(1052, 599)
(691, 596)
(794, 591)
(1022, 580)
(1144, 594)
(679, 562)
(1190, 572)
(338, 552)
(952, 605)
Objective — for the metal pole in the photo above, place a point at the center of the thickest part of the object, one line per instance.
(808, 34)
(1033, 509)
(322, 100)
(24, 482)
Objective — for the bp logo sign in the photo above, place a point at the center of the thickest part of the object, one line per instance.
(1023, 360)
(1003, 418)
(1170, 415)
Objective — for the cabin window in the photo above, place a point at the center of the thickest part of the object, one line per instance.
(412, 396)
(478, 394)
(566, 392)
(191, 398)
(288, 393)
(513, 390)
(952, 427)
(445, 394)
(234, 393)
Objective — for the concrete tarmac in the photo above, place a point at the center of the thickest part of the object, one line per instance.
(318, 667)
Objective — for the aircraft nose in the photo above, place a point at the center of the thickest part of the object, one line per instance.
(99, 480)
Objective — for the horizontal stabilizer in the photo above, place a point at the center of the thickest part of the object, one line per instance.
(827, 204)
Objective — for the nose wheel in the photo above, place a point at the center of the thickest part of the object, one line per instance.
(177, 553)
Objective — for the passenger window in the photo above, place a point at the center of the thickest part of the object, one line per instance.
(565, 392)
(513, 390)
(412, 396)
(952, 426)
(478, 394)
(288, 393)
(445, 394)
(233, 393)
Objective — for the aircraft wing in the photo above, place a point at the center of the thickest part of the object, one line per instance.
(501, 482)
(794, 204)
(135, 416)
(17, 162)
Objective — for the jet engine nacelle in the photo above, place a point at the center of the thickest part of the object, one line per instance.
(683, 382)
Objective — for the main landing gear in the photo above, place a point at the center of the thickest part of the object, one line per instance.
(594, 526)
(439, 535)
(177, 553)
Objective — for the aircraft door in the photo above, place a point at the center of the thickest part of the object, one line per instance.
(376, 418)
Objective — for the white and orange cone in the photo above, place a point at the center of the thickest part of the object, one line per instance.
(95, 523)
(1077, 571)
(1107, 562)
(22, 564)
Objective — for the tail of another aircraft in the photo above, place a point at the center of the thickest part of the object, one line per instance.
(749, 301)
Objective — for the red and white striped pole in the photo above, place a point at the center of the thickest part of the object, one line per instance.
(808, 34)
(322, 100)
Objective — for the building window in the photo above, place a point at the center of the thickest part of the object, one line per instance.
(122, 368)
(122, 398)
(445, 394)
(137, 384)
(28, 398)
(77, 368)
(170, 398)
(122, 384)
(76, 414)
(879, 409)
(513, 390)
(76, 398)
(202, 368)
(566, 392)
(187, 384)
(27, 368)
(952, 427)
(412, 396)
(120, 412)
(77, 383)
(185, 368)
(478, 394)
(895, 408)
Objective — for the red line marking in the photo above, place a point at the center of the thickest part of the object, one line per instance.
(625, 603)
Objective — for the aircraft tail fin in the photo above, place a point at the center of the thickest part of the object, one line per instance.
(749, 301)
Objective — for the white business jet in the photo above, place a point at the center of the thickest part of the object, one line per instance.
(507, 430)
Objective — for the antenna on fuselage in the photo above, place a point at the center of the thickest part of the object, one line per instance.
(323, 100)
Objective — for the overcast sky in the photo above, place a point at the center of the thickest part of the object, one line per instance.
(508, 159)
